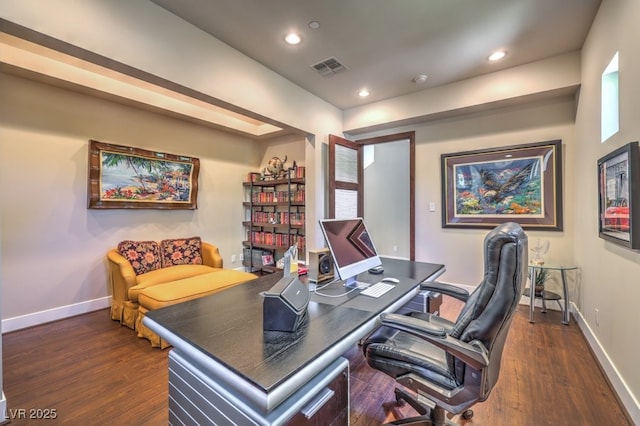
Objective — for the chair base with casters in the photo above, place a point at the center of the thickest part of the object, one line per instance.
(445, 367)
(429, 413)
(407, 370)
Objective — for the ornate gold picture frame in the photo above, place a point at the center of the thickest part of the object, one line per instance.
(123, 177)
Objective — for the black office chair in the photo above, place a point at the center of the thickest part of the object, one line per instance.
(446, 366)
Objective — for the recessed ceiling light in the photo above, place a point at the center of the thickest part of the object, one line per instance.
(314, 25)
(363, 93)
(419, 78)
(293, 38)
(497, 55)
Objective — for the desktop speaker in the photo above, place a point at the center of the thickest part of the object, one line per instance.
(320, 265)
(285, 305)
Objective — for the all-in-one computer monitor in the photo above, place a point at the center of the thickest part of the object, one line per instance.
(351, 247)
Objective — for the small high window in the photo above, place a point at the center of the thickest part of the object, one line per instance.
(610, 114)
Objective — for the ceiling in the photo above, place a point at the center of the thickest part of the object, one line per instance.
(384, 44)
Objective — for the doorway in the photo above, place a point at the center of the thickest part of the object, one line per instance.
(381, 188)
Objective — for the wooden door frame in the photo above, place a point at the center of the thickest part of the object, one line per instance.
(333, 185)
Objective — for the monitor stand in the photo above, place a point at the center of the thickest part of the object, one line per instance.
(352, 282)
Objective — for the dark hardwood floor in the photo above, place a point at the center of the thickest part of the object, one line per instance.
(90, 370)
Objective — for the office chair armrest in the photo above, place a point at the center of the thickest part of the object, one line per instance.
(444, 288)
(411, 325)
(476, 355)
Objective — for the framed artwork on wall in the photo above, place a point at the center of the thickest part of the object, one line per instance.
(123, 177)
(522, 183)
(618, 197)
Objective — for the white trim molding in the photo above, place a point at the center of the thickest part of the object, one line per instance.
(625, 395)
(37, 318)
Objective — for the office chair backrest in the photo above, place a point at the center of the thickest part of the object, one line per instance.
(487, 314)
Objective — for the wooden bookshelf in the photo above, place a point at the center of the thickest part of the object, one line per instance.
(274, 217)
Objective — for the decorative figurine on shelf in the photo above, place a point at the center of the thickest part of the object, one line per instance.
(538, 251)
(274, 169)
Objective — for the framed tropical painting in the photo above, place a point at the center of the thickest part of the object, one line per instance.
(523, 184)
(122, 177)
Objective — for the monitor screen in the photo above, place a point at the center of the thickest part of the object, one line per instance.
(351, 247)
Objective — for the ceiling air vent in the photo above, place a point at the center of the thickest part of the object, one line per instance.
(329, 67)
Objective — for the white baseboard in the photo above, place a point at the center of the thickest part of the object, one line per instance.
(469, 288)
(37, 318)
(627, 399)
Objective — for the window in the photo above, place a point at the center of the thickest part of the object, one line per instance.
(610, 120)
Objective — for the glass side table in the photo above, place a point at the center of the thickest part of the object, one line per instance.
(545, 295)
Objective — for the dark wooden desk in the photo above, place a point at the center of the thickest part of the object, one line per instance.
(267, 373)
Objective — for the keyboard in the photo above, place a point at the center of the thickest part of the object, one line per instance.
(378, 289)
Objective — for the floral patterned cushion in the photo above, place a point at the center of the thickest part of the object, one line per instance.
(181, 251)
(144, 256)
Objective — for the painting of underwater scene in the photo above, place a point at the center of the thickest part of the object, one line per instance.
(127, 177)
(522, 184)
(499, 188)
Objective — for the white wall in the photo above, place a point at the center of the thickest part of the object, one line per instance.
(386, 198)
(290, 147)
(54, 247)
(461, 249)
(143, 35)
(548, 77)
(609, 272)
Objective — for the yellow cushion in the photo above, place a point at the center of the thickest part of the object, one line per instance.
(161, 295)
(165, 275)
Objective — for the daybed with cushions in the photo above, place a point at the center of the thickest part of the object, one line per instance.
(146, 275)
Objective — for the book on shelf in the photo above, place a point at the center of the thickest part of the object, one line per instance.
(277, 218)
(273, 196)
(276, 239)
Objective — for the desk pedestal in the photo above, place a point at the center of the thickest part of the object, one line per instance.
(425, 301)
(194, 398)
